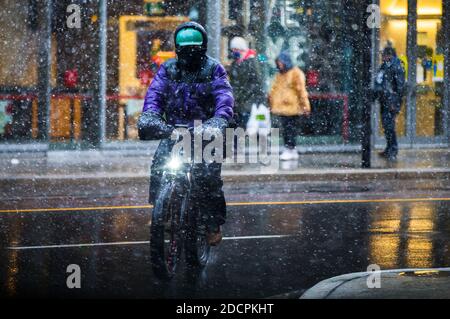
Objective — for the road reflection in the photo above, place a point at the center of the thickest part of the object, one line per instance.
(324, 240)
(404, 236)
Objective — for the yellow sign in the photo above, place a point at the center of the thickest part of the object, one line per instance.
(129, 82)
(404, 60)
(438, 68)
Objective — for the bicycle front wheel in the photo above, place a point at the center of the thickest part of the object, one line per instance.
(165, 232)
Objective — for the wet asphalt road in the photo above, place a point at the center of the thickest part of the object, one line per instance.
(279, 238)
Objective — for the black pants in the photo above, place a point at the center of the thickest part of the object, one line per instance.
(242, 119)
(289, 126)
(388, 121)
(207, 189)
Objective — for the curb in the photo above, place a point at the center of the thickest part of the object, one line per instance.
(325, 288)
(257, 176)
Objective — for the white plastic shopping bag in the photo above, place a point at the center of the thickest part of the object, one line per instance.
(259, 121)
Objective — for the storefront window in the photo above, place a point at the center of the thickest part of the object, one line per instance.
(313, 36)
(18, 72)
(139, 40)
(428, 109)
(430, 69)
(145, 42)
(317, 34)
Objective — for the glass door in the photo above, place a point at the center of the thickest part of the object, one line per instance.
(422, 117)
(429, 110)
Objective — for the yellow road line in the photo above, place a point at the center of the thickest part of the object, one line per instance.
(308, 202)
(343, 201)
(68, 209)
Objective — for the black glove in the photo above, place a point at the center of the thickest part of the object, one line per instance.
(152, 127)
(215, 125)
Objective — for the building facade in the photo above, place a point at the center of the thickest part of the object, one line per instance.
(51, 64)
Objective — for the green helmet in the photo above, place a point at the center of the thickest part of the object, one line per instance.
(188, 36)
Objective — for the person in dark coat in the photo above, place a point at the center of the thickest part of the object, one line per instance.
(246, 80)
(389, 90)
(191, 87)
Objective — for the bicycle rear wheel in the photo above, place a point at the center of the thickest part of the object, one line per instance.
(197, 249)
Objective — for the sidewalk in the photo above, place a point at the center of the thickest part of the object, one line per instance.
(394, 284)
(425, 163)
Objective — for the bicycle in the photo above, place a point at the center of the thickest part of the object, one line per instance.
(176, 222)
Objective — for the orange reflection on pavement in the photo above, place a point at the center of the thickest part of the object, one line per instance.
(400, 236)
(383, 242)
(420, 246)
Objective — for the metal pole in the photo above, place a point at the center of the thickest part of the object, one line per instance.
(446, 101)
(258, 11)
(411, 48)
(44, 78)
(366, 141)
(213, 26)
(100, 90)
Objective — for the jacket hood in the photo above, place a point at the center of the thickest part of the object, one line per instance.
(285, 58)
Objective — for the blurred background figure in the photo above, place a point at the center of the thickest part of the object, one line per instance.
(389, 90)
(288, 99)
(246, 80)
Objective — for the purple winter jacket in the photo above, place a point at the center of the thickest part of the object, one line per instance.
(183, 100)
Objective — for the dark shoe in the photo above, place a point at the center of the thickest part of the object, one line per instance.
(391, 158)
(213, 238)
(388, 156)
(382, 154)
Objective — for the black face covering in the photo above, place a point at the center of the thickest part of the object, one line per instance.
(281, 69)
(190, 58)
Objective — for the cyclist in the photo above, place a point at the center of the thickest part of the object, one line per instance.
(191, 87)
